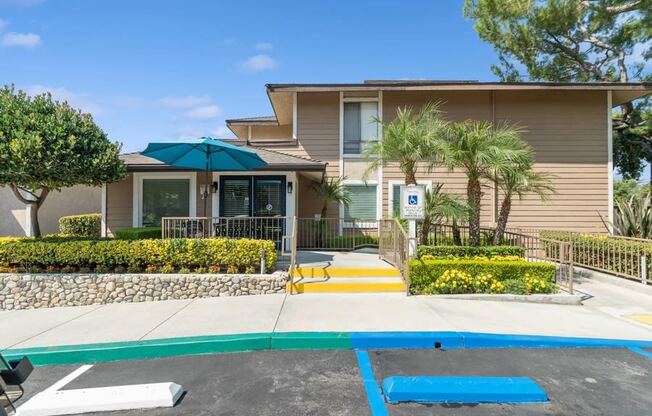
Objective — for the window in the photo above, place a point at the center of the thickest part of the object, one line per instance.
(164, 198)
(235, 201)
(363, 202)
(359, 126)
(258, 196)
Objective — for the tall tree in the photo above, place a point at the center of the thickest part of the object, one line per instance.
(480, 148)
(331, 191)
(577, 40)
(46, 145)
(407, 140)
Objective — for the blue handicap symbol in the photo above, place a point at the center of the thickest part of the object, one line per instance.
(413, 200)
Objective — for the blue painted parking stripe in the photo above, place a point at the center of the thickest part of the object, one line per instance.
(482, 340)
(641, 351)
(390, 340)
(451, 389)
(374, 395)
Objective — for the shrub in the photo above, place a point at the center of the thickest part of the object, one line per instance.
(423, 273)
(613, 254)
(137, 254)
(469, 251)
(351, 242)
(87, 225)
(140, 233)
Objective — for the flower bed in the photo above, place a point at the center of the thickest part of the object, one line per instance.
(167, 256)
(485, 269)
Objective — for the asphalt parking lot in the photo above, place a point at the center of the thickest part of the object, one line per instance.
(578, 381)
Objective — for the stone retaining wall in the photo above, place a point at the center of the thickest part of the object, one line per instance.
(30, 291)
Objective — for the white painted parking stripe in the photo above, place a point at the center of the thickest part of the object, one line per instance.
(70, 377)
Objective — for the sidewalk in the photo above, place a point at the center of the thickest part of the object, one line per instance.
(604, 316)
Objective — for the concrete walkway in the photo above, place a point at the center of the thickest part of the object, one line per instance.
(606, 315)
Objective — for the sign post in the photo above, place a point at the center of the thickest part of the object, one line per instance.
(413, 208)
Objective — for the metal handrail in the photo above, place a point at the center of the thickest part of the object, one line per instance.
(394, 246)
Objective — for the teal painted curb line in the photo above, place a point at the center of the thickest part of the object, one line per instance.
(215, 344)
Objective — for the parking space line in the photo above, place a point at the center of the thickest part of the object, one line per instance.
(70, 377)
(374, 395)
(641, 351)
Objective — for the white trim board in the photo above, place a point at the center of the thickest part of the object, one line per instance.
(137, 196)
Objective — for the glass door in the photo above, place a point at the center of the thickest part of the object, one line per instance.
(269, 196)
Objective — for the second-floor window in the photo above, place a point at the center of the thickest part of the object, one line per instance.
(359, 126)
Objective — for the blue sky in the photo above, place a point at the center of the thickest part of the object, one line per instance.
(166, 69)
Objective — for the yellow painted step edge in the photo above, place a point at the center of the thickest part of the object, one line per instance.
(308, 272)
(347, 287)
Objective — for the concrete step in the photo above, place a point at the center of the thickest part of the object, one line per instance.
(336, 272)
(347, 285)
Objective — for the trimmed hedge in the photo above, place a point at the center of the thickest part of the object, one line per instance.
(469, 251)
(228, 254)
(351, 242)
(140, 233)
(424, 272)
(616, 255)
(86, 225)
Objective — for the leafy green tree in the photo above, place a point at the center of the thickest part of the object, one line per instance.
(577, 40)
(627, 188)
(480, 149)
(408, 139)
(441, 207)
(517, 180)
(46, 145)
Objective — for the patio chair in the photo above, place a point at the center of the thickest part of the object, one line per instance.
(194, 229)
(14, 373)
(3, 393)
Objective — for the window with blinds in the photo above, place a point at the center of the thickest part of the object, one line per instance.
(363, 202)
(359, 126)
(164, 198)
(267, 197)
(235, 197)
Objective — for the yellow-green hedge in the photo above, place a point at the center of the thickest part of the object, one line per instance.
(178, 253)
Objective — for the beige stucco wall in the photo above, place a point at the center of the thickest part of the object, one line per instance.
(12, 214)
(69, 201)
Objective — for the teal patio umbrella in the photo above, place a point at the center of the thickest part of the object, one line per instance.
(205, 154)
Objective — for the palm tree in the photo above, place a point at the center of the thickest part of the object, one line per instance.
(516, 180)
(441, 206)
(331, 191)
(480, 148)
(408, 139)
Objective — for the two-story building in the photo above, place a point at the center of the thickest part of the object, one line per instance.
(320, 129)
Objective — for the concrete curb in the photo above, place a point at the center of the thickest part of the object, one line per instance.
(215, 344)
(555, 298)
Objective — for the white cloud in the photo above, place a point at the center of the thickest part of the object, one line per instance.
(206, 112)
(264, 46)
(27, 40)
(3, 23)
(184, 102)
(259, 63)
(75, 99)
(222, 132)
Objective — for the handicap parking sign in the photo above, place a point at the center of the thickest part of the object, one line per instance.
(412, 197)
